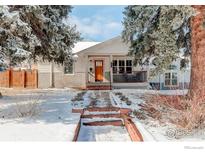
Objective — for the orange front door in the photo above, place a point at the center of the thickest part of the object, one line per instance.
(98, 70)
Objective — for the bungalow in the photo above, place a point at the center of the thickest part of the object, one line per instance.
(105, 65)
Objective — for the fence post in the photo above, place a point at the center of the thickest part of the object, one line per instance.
(23, 78)
(35, 78)
(8, 74)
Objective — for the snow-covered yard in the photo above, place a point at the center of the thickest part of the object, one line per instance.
(53, 120)
(151, 129)
(103, 133)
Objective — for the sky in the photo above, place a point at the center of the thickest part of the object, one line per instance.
(98, 23)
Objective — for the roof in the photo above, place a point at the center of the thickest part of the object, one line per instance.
(79, 46)
(111, 46)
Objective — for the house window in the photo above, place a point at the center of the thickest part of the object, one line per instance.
(171, 79)
(68, 68)
(172, 67)
(114, 66)
(128, 66)
(121, 66)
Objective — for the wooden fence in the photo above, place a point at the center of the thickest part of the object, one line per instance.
(19, 78)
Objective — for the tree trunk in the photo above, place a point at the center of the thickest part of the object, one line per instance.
(197, 80)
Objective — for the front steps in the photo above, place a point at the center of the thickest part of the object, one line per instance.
(101, 118)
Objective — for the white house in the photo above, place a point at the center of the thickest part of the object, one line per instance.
(105, 65)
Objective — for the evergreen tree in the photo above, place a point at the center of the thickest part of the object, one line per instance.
(36, 33)
(164, 33)
(160, 34)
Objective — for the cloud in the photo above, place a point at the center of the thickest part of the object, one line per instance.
(97, 27)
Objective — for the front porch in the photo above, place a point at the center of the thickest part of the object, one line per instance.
(105, 72)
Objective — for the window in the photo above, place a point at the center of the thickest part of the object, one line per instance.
(128, 66)
(68, 68)
(172, 67)
(171, 79)
(121, 66)
(114, 66)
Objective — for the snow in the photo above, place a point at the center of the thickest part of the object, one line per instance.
(173, 92)
(103, 133)
(151, 129)
(79, 46)
(133, 95)
(100, 119)
(108, 112)
(56, 122)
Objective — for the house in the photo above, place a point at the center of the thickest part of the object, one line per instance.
(105, 65)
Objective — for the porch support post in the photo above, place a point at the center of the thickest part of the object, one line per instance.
(111, 73)
(86, 69)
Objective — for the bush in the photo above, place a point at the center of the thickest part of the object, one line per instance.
(28, 108)
(183, 112)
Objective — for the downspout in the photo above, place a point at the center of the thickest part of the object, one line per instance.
(51, 75)
(160, 81)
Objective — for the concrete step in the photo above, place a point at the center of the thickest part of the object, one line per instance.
(102, 87)
(91, 116)
(104, 123)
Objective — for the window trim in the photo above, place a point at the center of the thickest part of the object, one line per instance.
(171, 85)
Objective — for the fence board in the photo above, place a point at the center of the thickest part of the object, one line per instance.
(19, 78)
(31, 79)
(4, 78)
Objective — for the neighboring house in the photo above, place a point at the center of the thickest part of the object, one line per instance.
(107, 65)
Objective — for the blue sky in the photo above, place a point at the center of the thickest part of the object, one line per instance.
(98, 23)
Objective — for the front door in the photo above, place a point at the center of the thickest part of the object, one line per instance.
(99, 70)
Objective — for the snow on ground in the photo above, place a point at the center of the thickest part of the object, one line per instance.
(54, 122)
(173, 92)
(103, 133)
(151, 129)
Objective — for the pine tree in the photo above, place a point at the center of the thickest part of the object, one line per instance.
(157, 33)
(36, 33)
(163, 34)
(12, 33)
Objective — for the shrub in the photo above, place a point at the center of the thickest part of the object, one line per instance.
(29, 109)
(180, 110)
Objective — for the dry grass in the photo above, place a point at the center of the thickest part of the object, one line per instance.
(183, 112)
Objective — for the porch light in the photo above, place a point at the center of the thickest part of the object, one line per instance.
(75, 57)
